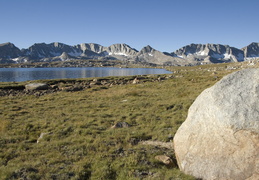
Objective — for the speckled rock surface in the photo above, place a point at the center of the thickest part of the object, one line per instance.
(220, 137)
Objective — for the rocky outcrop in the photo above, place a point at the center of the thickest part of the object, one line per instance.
(165, 159)
(69, 85)
(9, 51)
(210, 53)
(251, 51)
(89, 50)
(151, 55)
(42, 135)
(42, 51)
(36, 86)
(97, 48)
(220, 137)
(121, 125)
(121, 50)
(64, 56)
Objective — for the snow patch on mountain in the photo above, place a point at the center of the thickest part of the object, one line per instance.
(16, 59)
(117, 53)
(201, 53)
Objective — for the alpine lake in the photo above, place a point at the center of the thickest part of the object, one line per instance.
(26, 74)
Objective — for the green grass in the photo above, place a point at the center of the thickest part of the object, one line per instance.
(81, 143)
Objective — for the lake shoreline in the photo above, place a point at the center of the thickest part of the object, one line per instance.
(27, 74)
(81, 63)
(79, 84)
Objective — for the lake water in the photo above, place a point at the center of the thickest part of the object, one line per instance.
(25, 74)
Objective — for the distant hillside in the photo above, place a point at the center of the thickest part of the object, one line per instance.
(193, 54)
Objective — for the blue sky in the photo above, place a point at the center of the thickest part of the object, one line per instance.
(166, 25)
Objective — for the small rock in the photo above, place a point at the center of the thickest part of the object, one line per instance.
(135, 81)
(165, 159)
(121, 125)
(95, 83)
(73, 88)
(42, 135)
(134, 141)
(103, 82)
(170, 137)
(36, 86)
(54, 86)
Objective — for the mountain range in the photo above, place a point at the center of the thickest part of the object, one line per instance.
(193, 54)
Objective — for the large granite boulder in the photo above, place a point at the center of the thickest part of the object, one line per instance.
(220, 137)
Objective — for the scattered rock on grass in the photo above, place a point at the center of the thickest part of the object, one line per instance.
(42, 135)
(165, 159)
(36, 86)
(121, 125)
(135, 81)
(73, 88)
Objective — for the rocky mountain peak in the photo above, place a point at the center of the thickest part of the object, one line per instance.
(210, 53)
(254, 44)
(151, 55)
(7, 44)
(252, 50)
(9, 50)
(97, 48)
(147, 49)
(57, 45)
(38, 50)
(121, 49)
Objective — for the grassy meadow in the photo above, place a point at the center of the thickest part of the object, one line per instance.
(79, 142)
